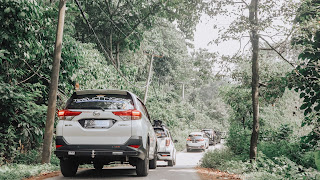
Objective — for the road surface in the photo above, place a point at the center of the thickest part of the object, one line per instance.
(183, 170)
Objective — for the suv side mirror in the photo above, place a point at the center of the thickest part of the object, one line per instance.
(175, 141)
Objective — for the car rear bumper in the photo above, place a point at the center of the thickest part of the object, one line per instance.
(100, 151)
(196, 146)
(164, 156)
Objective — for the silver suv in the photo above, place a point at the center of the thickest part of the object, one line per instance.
(166, 149)
(102, 126)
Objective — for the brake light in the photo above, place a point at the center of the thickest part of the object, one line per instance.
(188, 139)
(135, 146)
(129, 115)
(167, 142)
(200, 139)
(57, 146)
(67, 115)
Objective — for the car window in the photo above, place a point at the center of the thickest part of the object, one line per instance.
(195, 136)
(100, 101)
(160, 133)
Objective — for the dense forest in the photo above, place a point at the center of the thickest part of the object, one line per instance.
(112, 45)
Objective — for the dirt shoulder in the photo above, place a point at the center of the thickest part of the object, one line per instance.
(213, 174)
(44, 175)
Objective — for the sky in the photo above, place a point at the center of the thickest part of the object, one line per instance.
(205, 33)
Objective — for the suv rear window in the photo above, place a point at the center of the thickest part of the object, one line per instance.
(100, 101)
(195, 136)
(160, 133)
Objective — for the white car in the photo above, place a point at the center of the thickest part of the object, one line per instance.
(166, 149)
(197, 140)
(102, 126)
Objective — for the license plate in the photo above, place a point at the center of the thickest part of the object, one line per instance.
(117, 153)
(71, 153)
(97, 124)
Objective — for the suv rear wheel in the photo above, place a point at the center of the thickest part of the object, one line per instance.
(142, 167)
(153, 162)
(68, 167)
(98, 166)
(170, 163)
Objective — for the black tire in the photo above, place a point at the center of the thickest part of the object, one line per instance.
(170, 163)
(153, 162)
(188, 150)
(142, 167)
(98, 166)
(68, 167)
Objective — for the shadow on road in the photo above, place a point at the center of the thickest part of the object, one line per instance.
(92, 173)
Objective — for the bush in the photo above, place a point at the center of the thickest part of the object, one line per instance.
(263, 168)
(216, 158)
(19, 171)
(31, 157)
(291, 150)
(239, 141)
(262, 176)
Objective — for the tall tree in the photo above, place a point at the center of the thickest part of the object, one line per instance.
(264, 28)
(254, 38)
(48, 134)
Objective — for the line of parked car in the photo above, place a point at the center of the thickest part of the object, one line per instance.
(101, 127)
(203, 139)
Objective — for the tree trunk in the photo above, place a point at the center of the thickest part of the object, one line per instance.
(254, 38)
(118, 55)
(48, 134)
(148, 81)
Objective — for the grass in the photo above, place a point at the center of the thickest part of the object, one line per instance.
(21, 171)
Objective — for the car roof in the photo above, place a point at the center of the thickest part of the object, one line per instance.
(102, 91)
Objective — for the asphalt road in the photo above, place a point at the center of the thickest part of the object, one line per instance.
(183, 170)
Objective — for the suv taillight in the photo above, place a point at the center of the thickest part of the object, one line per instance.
(129, 115)
(67, 115)
(167, 142)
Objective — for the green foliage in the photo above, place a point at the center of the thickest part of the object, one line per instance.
(21, 171)
(238, 140)
(317, 158)
(26, 47)
(22, 118)
(263, 168)
(216, 158)
(305, 78)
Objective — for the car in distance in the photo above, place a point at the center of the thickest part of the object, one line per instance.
(211, 135)
(218, 135)
(166, 150)
(102, 126)
(197, 140)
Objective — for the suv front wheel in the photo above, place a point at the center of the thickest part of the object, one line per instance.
(68, 167)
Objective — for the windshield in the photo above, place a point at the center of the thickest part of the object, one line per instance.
(100, 101)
